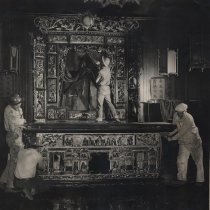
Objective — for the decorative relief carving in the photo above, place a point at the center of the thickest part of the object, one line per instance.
(39, 80)
(52, 75)
(121, 160)
(76, 115)
(51, 48)
(51, 90)
(57, 38)
(79, 140)
(56, 113)
(39, 102)
(121, 91)
(51, 70)
(148, 161)
(74, 23)
(39, 63)
(121, 71)
(70, 155)
(86, 39)
(148, 139)
(50, 139)
(39, 47)
(39, 73)
(115, 40)
(60, 180)
(61, 114)
(51, 113)
(121, 67)
(56, 162)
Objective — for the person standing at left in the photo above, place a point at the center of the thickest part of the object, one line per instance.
(14, 124)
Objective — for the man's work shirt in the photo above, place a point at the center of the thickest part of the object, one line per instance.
(104, 77)
(13, 118)
(187, 131)
(26, 163)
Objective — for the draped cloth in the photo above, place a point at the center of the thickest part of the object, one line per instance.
(167, 109)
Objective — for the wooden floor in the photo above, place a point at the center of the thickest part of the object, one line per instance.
(130, 197)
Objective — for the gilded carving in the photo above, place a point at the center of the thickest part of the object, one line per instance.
(39, 73)
(148, 139)
(52, 48)
(115, 40)
(79, 140)
(51, 90)
(57, 38)
(86, 39)
(121, 67)
(39, 101)
(57, 69)
(39, 46)
(73, 23)
(121, 91)
(51, 70)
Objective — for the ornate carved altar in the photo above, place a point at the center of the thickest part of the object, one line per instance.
(64, 77)
(74, 154)
(76, 149)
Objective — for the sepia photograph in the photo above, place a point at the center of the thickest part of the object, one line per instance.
(104, 104)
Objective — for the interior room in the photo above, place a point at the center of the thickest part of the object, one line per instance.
(148, 60)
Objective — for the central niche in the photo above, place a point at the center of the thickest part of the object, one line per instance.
(99, 163)
(71, 91)
(78, 72)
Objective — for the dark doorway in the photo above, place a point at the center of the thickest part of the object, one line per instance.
(99, 163)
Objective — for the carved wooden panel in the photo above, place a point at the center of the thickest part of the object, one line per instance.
(51, 70)
(73, 23)
(39, 79)
(64, 96)
(71, 156)
(39, 108)
(51, 61)
(51, 90)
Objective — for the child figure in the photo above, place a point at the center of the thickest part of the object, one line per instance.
(103, 81)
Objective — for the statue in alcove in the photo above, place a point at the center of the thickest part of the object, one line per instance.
(78, 89)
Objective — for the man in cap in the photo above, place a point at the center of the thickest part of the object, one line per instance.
(14, 124)
(28, 160)
(103, 81)
(190, 143)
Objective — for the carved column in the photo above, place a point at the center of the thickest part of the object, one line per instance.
(134, 67)
(39, 79)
